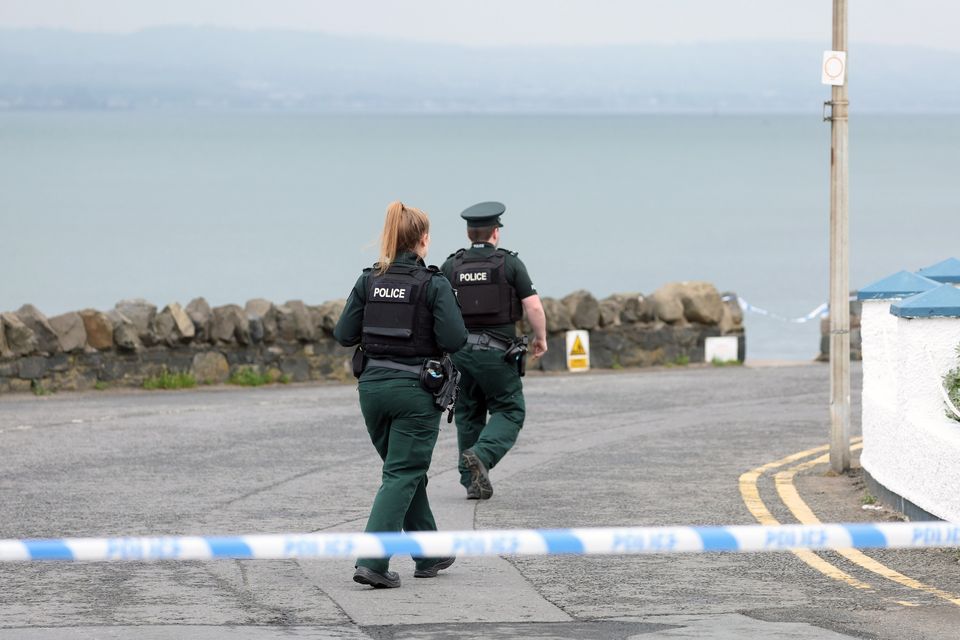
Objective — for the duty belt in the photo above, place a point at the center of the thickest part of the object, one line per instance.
(390, 364)
(485, 340)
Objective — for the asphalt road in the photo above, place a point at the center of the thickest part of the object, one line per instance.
(630, 448)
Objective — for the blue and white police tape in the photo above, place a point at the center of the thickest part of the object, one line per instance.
(593, 541)
(820, 311)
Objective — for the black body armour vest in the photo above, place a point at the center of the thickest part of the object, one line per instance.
(486, 298)
(396, 318)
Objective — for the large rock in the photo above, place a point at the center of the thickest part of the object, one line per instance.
(286, 324)
(634, 307)
(37, 322)
(4, 349)
(302, 322)
(125, 334)
(266, 313)
(230, 324)
(558, 318)
(210, 367)
(610, 310)
(326, 315)
(701, 302)
(732, 320)
(583, 308)
(668, 303)
(556, 358)
(143, 315)
(256, 329)
(184, 323)
(201, 315)
(98, 327)
(173, 325)
(693, 301)
(70, 331)
(32, 368)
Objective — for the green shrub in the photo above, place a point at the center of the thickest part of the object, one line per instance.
(101, 385)
(168, 380)
(249, 377)
(38, 389)
(951, 382)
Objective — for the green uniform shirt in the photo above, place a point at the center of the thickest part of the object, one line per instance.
(516, 273)
(448, 328)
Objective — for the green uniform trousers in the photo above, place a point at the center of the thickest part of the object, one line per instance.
(487, 384)
(403, 423)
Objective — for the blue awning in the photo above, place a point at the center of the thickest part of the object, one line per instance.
(945, 271)
(942, 302)
(902, 284)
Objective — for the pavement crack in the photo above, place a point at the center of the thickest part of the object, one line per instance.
(281, 482)
(332, 600)
(336, 524)
(533, 586)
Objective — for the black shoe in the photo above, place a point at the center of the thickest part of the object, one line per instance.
(479, 477)
(431, 572)
(473, 492)
(377, 580)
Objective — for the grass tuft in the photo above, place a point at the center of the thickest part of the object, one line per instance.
(38, 389)
(717, 362)
(250, 377)
(168, 380)
(868, 499)
(100, 385)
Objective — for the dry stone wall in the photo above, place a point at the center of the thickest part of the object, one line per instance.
(635, 330)
(134, 341)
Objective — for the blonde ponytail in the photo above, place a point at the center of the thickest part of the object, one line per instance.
(402, 230)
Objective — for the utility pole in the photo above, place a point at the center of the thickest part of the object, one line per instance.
(839, 259)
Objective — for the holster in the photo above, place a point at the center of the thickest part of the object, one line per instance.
(358, 362)
(517, 353)
(446, 397)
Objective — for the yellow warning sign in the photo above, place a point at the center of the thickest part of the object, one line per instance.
(577, 348)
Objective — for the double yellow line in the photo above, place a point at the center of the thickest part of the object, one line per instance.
(783, 480)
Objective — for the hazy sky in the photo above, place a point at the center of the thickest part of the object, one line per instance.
(933, 23)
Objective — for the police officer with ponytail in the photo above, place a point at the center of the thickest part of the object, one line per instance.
(405, 317)
(494, 290)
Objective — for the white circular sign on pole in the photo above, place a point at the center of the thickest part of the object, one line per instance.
(834, 69)
(578, 350)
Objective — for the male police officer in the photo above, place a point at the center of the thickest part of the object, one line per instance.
(494, 291)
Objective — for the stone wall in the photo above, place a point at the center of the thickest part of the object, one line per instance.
(855, 340)
(135, 341)
(634, 330)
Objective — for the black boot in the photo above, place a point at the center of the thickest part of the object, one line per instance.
(377, 580)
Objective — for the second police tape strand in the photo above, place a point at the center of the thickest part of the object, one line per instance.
(586, 541)
(820, 311)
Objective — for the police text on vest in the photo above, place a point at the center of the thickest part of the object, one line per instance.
(390, 293)
(475, 276)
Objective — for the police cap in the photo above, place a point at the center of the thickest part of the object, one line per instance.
(484, 214)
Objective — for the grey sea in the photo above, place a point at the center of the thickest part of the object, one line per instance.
(97, 207)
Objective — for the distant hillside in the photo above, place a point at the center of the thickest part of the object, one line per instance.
(212, 68)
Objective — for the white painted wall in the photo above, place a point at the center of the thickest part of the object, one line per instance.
(910, 446)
